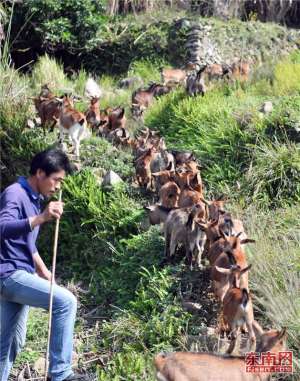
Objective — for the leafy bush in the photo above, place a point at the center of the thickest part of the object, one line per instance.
(70, 25)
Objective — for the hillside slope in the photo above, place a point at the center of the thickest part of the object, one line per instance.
(130, 306)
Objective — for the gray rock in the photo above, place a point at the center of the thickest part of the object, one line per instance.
(111, 178)
(30, 123)
(266, 107)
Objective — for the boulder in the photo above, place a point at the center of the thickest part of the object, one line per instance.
(266, 107)
(111, 178)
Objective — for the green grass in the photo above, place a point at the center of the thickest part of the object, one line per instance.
(48, 71)
(274, 278)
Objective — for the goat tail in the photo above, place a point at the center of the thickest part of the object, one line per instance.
(245, 297)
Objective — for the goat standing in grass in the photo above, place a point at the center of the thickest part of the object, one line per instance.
(189, 366)
(72, 122)
(195, 84)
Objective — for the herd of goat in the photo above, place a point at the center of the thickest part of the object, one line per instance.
(204, 229)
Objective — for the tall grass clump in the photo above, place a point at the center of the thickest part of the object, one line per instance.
(274, 277)
(287, 78)
(274, 177)
(284, 122)
(48, 71)
(17, 143)
(147, 70)
(80, 81)
(94, 217)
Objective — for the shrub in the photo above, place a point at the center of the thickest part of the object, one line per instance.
(70, 25)
(18, 143)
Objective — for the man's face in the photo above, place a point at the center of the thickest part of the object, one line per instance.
(48, 185)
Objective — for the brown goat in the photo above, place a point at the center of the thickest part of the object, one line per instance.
(189, 366)
(162, 177)
(240, 70)
(142, 98)
(189, 197)
(212, 232)
(117, 118)
(93, 113)
(173, 76)
(169, 195)
(48, 110)
(143, 171)
(237, 310)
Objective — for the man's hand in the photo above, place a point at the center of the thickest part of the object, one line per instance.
(45, 274)
(53, 210)
(40, 267)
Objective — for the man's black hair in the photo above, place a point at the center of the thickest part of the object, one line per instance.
(50, 161)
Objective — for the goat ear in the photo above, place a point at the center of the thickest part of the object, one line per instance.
(156, 174)
(202, 226)
(282, 333)
(231, 258)
(205, 202)
(248, 240)
(121, 114)
(149, 207)
(222, 234)
(169, 167)
(246, 269)
(223, 270)
(190, 219)
(214, 222)
(60, 100)
(235, 243)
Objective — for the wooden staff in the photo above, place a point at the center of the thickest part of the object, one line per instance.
(51, 288)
